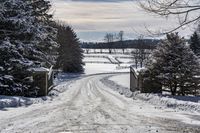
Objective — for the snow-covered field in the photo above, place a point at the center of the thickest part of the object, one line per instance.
(125, 60)
(112, 58)
(116, 51)
(95, 59)
(105, 63)
(95, 68)
(94, 102)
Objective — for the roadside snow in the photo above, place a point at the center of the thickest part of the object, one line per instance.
(123, 80)
(184, 103)
(117, 87)
(62, 83)
(17, 101)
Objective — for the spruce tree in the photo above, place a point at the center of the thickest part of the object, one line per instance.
(21, 43)
(174, 65)
(13, 36)
(46, 35)
(195, 43)
(70, 53)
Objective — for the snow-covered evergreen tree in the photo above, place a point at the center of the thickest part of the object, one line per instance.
(24, 41)
(46, 34)
(174, 65)
(195, 43)
(70, 53)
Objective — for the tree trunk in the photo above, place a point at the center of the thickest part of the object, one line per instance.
(109, 51)
(136, 64)
(173, 90)
(141, 64)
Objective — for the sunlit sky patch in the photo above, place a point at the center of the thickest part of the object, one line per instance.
(92, 19)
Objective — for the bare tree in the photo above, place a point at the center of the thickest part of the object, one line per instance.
(121, 39)
(101, 48)
(87, 50)
(187, 11)
(139, 56)
(142, 55)
(109, 38)
(135, 55)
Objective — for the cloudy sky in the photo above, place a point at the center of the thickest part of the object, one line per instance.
(92, 19)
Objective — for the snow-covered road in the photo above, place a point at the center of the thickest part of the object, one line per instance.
(90, 106)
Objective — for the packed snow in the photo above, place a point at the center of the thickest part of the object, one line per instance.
(99, 101)
(88, 105)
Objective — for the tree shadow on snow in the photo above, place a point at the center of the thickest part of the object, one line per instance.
(14, 102)
(195, 99)
(64, 77)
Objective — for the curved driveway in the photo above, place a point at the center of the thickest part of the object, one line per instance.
(91, 107)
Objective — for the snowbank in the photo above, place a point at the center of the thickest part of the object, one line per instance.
(62, 82)
(64, 77)
(184, 103)
(122, 79)
(119, 88)
(17, 101)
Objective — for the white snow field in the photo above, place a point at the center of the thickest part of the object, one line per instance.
(95, 68)
(95, 102)
(113, 58)
(105, 63)
(93, 59)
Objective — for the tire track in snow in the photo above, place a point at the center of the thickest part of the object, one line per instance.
(89, 106)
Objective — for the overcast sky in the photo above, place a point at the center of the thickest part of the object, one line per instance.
(92, 19)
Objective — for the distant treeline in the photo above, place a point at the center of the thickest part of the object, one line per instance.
(144, 44)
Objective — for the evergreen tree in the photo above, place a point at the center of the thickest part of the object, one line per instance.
(195, 43)
(46, 35)
(21, 39)
(174, 65)
(70, 53)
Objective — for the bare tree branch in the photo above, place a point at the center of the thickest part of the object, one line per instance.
(187, 11)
